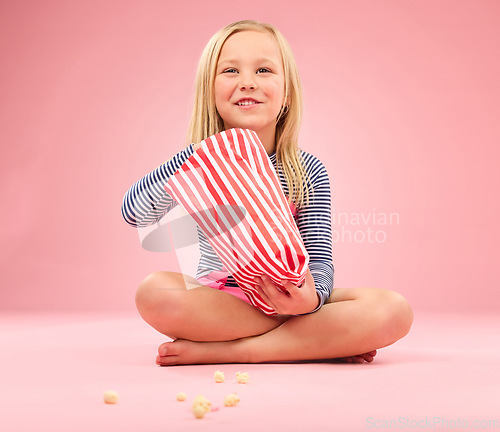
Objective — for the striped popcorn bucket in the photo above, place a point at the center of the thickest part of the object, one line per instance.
(231, 189)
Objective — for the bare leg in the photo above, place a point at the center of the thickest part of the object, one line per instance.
(357, 320)
(190, 311)
(354, 321)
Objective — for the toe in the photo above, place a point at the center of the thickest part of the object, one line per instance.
(167, 349)
(367, 357)
(163, 349)
(166, 361)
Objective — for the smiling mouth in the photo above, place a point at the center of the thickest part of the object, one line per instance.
(247, 102)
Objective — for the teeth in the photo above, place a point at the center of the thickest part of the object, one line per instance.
(246, 103)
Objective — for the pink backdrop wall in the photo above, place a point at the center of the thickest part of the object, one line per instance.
(401, 104)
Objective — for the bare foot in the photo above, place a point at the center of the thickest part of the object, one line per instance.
(179, 351)
(182, 351)
(361, 358)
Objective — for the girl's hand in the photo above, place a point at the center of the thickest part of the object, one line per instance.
(294, 300)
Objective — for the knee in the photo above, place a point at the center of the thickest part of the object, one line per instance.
(152, 296)
(395, 315)
(143, 293)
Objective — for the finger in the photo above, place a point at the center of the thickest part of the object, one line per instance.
(264, 292)
(261, 289)
(289, 287)
(259, 284)
(293, 289)
(285, 287)
(274, 296)
(267, 300)
(271, 289)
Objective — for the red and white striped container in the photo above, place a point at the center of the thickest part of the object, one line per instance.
(231, 189)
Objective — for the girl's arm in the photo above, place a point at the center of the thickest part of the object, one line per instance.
(314, 223)
(315, 226)
(146, 202)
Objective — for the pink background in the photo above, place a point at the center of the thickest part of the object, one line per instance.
(401, 105)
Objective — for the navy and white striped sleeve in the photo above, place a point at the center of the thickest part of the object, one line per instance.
(315, 226)
(146, 202)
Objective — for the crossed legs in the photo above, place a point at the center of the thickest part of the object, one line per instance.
(210, 326)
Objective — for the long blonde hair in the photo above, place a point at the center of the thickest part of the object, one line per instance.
(206, 121)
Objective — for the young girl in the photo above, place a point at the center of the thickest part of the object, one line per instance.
(247, 78)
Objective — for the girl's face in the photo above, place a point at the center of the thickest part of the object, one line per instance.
(249, 82)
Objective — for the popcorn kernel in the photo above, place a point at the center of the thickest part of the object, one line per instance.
(110, 397)
(231, 400)
(242, 377)
(181, 396)
(219, 376)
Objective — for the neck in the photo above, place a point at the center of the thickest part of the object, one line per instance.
(268, 139)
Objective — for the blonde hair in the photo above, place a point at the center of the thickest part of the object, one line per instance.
(206, 121)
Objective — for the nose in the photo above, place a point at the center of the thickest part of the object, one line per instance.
(247, 82)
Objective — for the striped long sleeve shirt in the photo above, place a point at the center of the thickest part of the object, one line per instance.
(146, 202)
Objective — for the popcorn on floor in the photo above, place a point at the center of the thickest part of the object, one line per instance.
(198, 411)
(231, 400)
(219, 376)
(242, 377)
(201, 406)
(110, 397)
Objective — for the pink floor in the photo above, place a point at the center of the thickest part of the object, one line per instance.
(55, 368)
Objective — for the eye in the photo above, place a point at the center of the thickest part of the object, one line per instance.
(261, 70)
(230, 70)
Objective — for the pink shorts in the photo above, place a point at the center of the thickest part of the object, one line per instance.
(217, 280)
